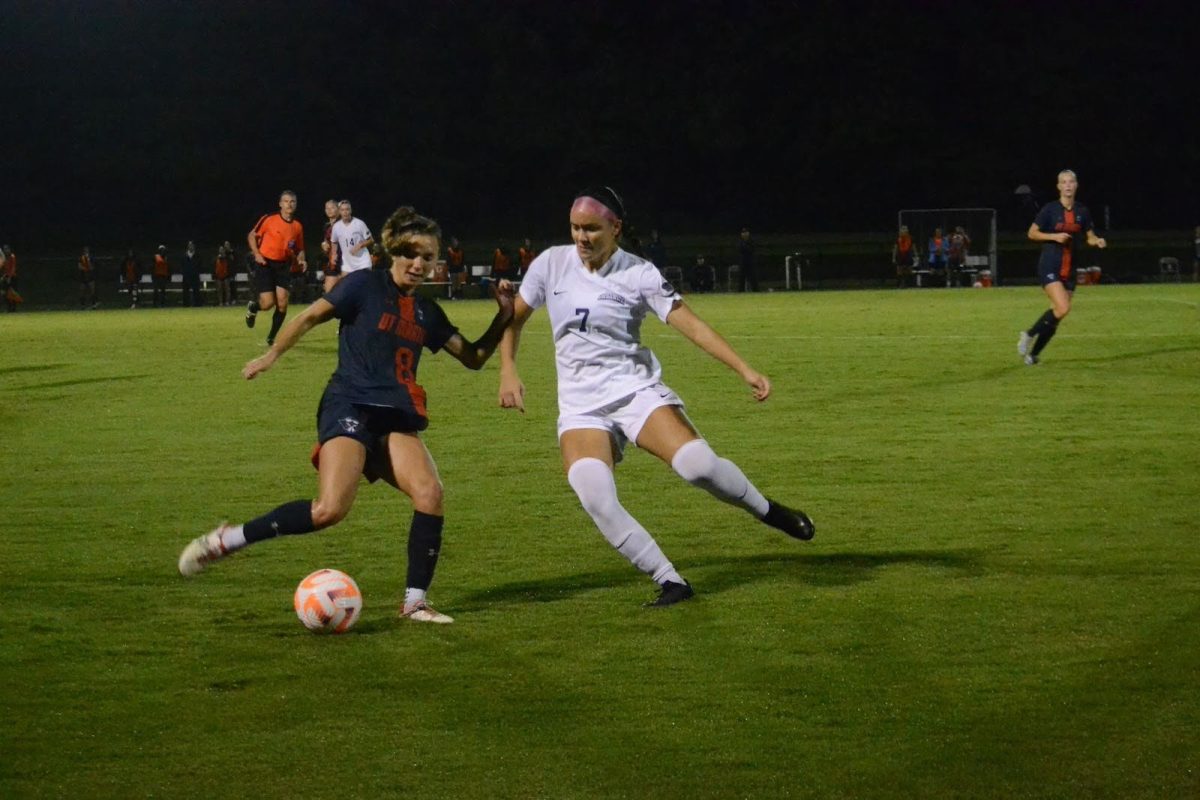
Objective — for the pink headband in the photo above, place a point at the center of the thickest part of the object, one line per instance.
(590, 205)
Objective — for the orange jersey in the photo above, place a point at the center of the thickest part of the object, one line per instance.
(10, 266)
(278, 238)
(221, 268)
(526, 256)
(131, 270)
(161, 268)
(500, 261)
(85, 266)
(454, 258)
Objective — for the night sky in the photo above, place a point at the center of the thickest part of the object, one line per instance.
(138, 121)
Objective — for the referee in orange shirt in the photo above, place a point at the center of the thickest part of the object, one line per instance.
(273, 240)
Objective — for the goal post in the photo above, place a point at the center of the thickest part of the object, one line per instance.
(979, 224)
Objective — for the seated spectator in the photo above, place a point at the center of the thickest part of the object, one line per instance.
(701, 275)
(903, 257)
(938, 245)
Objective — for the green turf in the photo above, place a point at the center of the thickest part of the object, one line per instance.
(1002, 599)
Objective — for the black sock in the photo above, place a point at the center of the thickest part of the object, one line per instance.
(1045, 336)
(1045, 321)
(424, 544)
(289, 519)
(276, 323)
(253, 307)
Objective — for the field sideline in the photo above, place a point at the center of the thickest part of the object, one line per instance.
(1002, 599)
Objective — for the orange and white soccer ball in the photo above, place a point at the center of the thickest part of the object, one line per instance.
(328, 601)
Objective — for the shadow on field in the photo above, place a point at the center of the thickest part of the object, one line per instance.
(714, 575)
(80, 382)
(1108, 359)
(31, 368)
(832, 569)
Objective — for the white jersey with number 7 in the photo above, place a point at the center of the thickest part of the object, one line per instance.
(596, 319)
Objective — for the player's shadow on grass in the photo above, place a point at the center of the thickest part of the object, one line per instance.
(715, 575)
(31, 368)
(1112, 358)
(79, 382)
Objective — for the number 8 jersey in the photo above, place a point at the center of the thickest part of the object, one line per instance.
(596, 319)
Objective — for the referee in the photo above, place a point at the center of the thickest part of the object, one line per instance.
(273, 240)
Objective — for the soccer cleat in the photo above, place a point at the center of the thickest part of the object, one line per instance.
(1024, 343)
(251, 314)
(202, 551)
(1031, 360)
(671, 594)
(270, 341)
(421, 611)
(794, 523)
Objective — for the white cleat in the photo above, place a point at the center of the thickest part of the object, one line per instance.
(421, 611)
(201, 551)
(1031, 360)
(1024, 343)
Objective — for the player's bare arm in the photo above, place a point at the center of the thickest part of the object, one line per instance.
(512, 391)
(701, 334)
(1096, 241)
(473, 355)
(320, 311)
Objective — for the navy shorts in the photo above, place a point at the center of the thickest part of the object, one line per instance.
(1048, 278)
(271, 275)
(367, 425)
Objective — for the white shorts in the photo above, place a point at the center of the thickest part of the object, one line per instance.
(624, 418)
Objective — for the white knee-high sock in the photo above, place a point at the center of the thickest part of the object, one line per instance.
(697, 464)
(593, 482)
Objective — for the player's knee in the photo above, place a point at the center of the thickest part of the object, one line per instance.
(326, 511)
(695, 461)
(593, 483)
(427, 496)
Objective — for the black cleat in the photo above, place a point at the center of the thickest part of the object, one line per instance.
(794, 523)
(672, 593)
(251, 314)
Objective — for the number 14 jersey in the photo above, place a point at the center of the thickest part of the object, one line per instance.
(596, 320)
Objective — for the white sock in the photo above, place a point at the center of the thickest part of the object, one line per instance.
(593, 482)
(697, 464)
(233, 538)
(413, 596)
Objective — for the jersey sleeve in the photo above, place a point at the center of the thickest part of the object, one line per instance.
(1045, 219)
(438, 328)
(347, 296)
(1086, 223)
(533, 285)
(299, 247)
(657, 292)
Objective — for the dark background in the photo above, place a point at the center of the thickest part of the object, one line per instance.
(138, 121)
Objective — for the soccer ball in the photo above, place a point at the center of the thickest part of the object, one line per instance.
(328, 601)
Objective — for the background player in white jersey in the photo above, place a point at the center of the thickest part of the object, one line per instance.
(610, 388)
(353, 239)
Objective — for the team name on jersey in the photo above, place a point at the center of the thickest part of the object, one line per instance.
(616, 298)
(405, 329)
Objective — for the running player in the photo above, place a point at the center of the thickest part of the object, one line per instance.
(1062, 226)
(273, 239)
(333, 259)
(373, 409)
(352, 238)
(610, 388)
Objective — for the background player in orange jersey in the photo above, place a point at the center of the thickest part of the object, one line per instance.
(273, 240)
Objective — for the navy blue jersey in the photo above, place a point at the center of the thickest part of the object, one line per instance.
(1056, 258)
(380, 339)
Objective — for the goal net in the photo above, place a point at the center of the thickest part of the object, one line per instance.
(980, 227)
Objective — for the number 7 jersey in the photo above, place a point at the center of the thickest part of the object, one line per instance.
(596, 320)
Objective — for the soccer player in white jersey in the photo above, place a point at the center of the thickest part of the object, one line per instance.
(610, 388)
(353, 239)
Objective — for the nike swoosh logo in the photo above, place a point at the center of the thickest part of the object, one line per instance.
(563, 291)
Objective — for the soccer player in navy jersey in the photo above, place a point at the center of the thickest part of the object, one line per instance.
(372, 411)
(1061, 226)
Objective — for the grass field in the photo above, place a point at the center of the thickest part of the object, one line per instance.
(1002, 600)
